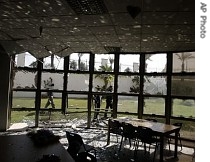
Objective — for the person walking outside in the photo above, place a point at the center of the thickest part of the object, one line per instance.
(109, 102)
(49, 86)
(97, 105)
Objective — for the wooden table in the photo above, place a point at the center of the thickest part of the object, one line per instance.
(20, 148)
(161, 129)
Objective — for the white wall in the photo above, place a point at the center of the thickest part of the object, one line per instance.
(80, 82)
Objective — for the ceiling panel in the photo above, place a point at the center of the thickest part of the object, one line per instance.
(172, 6)
(116, 6)
(96, 20)
(85, 38)
(103, 30)
(125, 19)
(129, 25)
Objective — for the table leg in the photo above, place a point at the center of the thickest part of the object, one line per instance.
(176, 144)
(161, 148)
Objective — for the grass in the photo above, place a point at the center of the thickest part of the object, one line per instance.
(152, 106)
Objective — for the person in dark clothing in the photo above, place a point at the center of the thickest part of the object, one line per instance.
(109, 102)
(97, 104)
(50, 99)
(49, 85)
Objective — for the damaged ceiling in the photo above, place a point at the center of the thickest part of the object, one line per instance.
(61, 27)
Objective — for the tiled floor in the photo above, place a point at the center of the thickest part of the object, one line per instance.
(110, 153)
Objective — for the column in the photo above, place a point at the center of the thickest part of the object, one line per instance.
(5, 71)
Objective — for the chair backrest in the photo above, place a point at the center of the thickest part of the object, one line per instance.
(115, 127)
(178, 125)
(129, 131)
(75, 142)
(74, 137)
(145, 134)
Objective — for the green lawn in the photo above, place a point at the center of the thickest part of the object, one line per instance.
(152, 106)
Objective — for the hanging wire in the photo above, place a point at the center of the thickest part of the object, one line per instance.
(59, 60)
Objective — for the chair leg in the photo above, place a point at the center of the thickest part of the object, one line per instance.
(129, 142)
(180, 142)
(121, 143)
(145, 148)
(169, 144)
(156, 147)
(136, 145)
(117, 138)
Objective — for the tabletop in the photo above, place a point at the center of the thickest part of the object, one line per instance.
(20, 148)
(155, 126)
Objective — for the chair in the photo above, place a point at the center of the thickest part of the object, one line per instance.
(76, 145)
(172, 136)
(128, 132)
(146, 136)
(115, 127)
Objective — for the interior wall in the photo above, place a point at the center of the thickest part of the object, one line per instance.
(5, 68)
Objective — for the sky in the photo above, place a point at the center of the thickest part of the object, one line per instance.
(156, 63)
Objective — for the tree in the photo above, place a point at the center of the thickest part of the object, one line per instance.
(182, 86)
(136, 80)
(135, 88)
(79, 60)
(73, 65)
(111, 60)
(83, 66)
(48, 66)
(107, 78)
(183, 57)
(105, 68)
(127, 70)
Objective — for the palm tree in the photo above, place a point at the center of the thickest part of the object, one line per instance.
(183, 57)
(107, 78)
(105, 67)
(79, 60)
(111, 60)
(136, 80)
